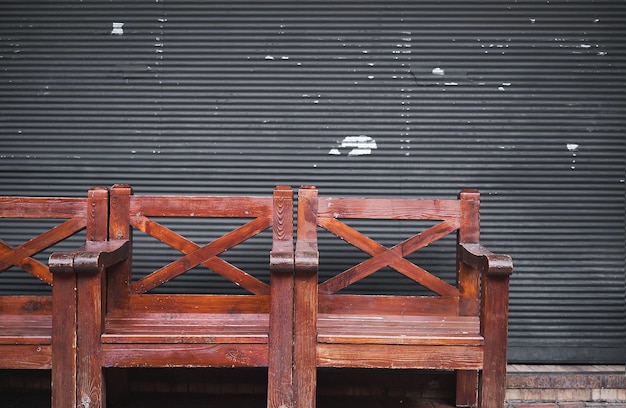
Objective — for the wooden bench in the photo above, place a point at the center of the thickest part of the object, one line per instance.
(461, 326)
(39, 331)
(124, 322)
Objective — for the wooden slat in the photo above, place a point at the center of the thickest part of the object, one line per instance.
(203, 254)
(184, 355)
(26, 356)
(30, 265)
(393, 257)
(43, 207)
(388, 305)
(21, 304)
(388, 208)
(25, 328)
(409, 330)
(201, 206)
(198, 303)
(41, 242)
(459, 357)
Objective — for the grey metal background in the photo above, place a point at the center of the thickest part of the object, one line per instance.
(521, 99)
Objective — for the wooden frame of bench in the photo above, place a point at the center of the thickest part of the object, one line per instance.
(39, 332)
(462, 328)
(120, 324)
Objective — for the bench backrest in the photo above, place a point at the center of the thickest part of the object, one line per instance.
(333, 214)
(42, 320)
(142, 214)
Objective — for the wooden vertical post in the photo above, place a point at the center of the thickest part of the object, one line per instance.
(280, 379)
(90, 308)
(64, 339)
(468, 278)
(119, 276)
(494, 328)
(306, 300)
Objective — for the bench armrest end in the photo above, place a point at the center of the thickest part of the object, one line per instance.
(307, 257)
(92, 257)
(477, 256)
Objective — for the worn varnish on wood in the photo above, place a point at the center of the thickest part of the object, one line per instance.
(462, 327)
(39, 332)
(121, 323)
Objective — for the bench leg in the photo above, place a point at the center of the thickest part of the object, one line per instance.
(466, 388)
(280, 376)
(494, 322)
(305, 341)
(64, 341)
(90, 376)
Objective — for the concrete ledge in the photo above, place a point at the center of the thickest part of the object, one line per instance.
(557, 383)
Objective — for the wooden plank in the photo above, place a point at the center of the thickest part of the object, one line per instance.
(179, 303)
(90, 387)
(185, 355)
(280, 352)
(30, 265)
(25, 304)
(388, 208)
(43, 207)
(41, 242)
(407, 330)
(468, 279)
(26, 356)
(383, 305)
(381, 257)
(201, 206)
(26, 328)
(306, 301)
(204, 254)
(152, 328)
(64, 340)
(452, 357)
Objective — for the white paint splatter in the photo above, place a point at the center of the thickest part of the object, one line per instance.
(360, 146)
(118, 29)
(572, 147)
(438, 71)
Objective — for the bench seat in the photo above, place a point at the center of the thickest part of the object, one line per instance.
(426, 330)
(26, 341)
(419, 342)
(460, 326)
(186, 328)
(185, 340)
(21, 329)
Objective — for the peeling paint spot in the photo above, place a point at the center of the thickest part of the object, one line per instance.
(572, 147)
(118, 29)
(361, 145)
(438, 71)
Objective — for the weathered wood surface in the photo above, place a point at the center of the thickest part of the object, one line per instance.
(462, 327)
(121, 323)
(40, 332)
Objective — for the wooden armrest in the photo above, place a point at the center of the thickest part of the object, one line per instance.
(307, 257)
(477, 256)
(281, 261)
(92, 257)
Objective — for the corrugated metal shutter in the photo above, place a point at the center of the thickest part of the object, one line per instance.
(523, 100)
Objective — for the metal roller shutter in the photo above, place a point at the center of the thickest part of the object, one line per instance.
(523, 100)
